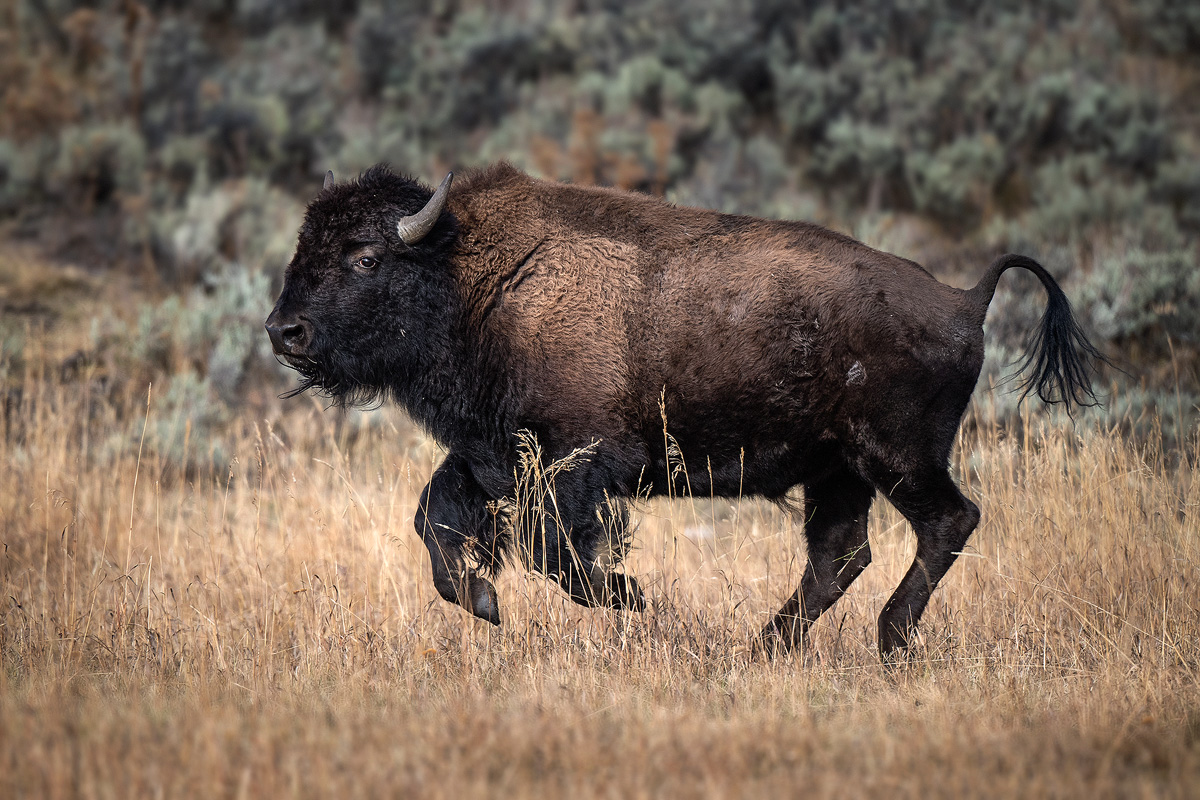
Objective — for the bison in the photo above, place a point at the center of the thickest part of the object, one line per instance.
(768, 354)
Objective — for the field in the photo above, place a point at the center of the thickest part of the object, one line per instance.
(208, 591)
(259, 622)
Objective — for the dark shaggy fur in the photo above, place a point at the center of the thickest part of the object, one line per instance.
(774, 354)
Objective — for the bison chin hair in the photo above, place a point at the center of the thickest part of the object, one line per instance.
(337, 385)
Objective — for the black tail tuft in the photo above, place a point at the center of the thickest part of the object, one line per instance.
(1061, 357)
(1063, 361)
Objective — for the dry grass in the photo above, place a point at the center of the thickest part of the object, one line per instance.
(270, 629)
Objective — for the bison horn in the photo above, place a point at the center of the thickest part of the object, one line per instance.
(328, 179)
(413, 229)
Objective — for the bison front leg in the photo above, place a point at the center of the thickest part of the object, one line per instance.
(452, 515)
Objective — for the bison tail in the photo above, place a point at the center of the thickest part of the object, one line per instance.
(1062, 359)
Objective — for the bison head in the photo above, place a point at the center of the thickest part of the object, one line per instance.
(366, 294)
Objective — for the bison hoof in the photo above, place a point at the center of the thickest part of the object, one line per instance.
(472, 592)
(894, 644)
(782, 635)
(483, 601)
(769, 645)
(892, 654)
(624, 592)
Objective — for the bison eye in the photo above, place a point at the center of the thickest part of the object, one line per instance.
(367, 262)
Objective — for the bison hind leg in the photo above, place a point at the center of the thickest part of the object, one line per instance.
(835, 513)
(943, 519)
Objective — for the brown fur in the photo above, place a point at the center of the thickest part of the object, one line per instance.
(610, 298)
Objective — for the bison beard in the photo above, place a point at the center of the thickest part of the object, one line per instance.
(521, 322)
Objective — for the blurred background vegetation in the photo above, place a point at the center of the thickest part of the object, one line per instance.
(170, 147)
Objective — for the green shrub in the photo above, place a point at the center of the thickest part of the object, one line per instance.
(14, 178)
(1075, 195)
(1056, 129)
(189, 420)
(1144, 296)
(246, 222)
(956, 184)
(856, 155)
(1177, 183)
(200, 351)
(96, 162)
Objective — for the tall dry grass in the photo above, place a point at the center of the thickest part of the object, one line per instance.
(267, 627)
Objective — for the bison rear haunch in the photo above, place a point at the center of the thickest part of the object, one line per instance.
(776, 354)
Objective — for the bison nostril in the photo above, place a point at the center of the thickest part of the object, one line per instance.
(289, 338)
(295, 336)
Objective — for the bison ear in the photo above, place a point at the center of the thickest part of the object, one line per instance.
(328, 179)
(413, 229)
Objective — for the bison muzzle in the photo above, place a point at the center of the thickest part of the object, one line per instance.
(768, 355)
